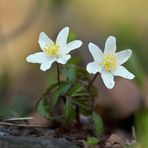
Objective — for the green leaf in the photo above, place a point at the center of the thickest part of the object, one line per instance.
(41, 108)
(91, 141)
(97, 124)
(77, 87)
(51, 86)
(69, 112)
(70, 73)
(81, 94)
(82, 74)
(47, 91)
(60, 91)
(80, 102)
(83, 105)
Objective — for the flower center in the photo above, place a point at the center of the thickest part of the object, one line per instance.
(52, 50)
(109, 62)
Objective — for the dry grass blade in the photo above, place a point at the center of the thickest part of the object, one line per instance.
(18, 119)
(22, 125)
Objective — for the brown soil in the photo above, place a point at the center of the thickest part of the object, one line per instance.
(74, 135)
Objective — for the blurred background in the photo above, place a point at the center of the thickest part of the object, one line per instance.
(21, 83)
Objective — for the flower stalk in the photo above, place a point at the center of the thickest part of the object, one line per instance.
(58, 73)
(92, 81)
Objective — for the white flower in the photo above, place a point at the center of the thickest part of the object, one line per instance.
(109, 63)
(51, 52)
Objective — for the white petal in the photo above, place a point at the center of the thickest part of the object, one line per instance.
(94, 67)
(108, 79)
(123, 56)
(96, 52)
(47, 65)
(71, 46)
(63, 59)
(110, 45)
(123, 72)
(62, 37)
(38, 57)
(44, 40)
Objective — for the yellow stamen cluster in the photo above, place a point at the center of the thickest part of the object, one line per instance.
(109, 62)
(52, 50)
